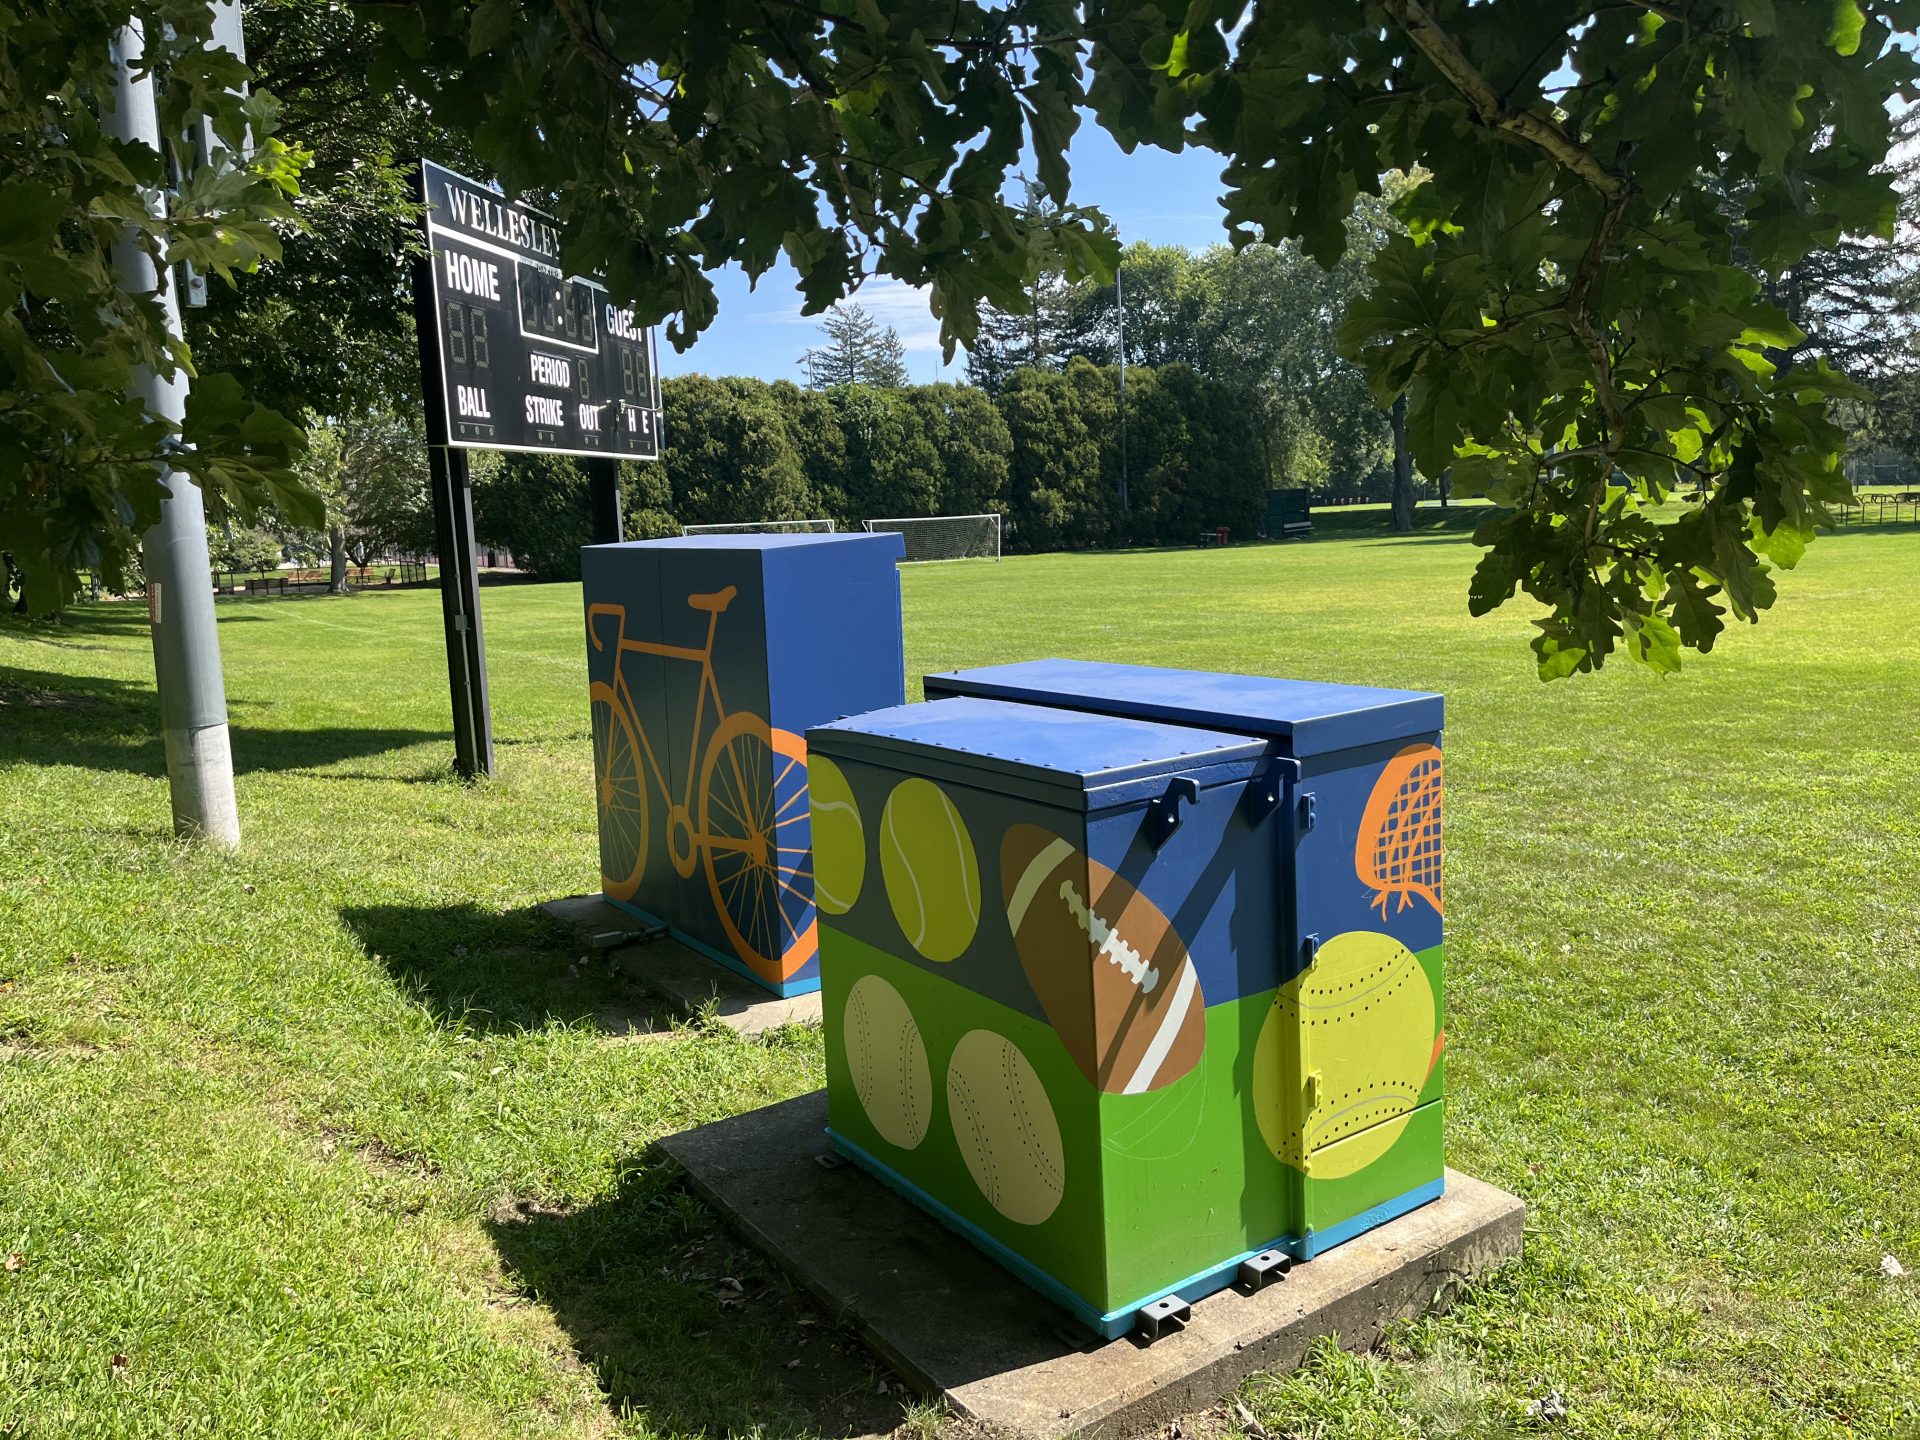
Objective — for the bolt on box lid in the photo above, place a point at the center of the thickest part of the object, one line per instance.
(1307, 717)
(1074, 758)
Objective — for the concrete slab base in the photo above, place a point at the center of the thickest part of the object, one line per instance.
(957, 1326)
(688, 981)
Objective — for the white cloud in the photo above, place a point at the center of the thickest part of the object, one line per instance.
(890, 302)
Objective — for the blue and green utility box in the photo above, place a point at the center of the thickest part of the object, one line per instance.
(707, 659)
(1133, 976)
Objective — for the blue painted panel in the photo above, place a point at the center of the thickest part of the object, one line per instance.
(1310, 716)
(1334, 896)
(1216, 878)
(634, 766)
(1033, 745)
(835, 645)
(721, 781)
(714, 698)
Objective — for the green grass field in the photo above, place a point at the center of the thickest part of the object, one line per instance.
(334, 1138)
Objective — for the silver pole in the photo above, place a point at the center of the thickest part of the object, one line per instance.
(186, 643)
(1120, 329)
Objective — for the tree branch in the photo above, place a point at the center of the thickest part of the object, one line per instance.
(1544, 134)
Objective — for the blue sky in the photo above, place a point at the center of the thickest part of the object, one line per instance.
(1149, 195)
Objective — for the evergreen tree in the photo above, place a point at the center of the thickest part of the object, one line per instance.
(855, 350)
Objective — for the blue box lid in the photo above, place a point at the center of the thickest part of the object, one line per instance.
(893, 542)
(1308, 716)
(1014, 747)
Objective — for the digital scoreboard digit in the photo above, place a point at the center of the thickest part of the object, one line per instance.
(530, 358)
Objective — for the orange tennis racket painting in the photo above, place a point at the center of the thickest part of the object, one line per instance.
(1397, 852)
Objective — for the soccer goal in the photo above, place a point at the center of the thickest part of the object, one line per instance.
(946, 537)
(762, 527)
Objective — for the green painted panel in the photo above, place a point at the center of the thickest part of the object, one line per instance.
(1001, 1126)
(1414, 1159)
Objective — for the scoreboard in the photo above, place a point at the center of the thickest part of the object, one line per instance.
(530, 358)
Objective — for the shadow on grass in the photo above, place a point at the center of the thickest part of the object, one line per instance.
(688, 1327)
(51, 718)
(104, 618)
(1449, 537)
(487, 971)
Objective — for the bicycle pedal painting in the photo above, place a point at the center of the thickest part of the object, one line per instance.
(708, 657)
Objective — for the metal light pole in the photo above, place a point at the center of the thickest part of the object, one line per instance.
(1120, 329)
(186, 643)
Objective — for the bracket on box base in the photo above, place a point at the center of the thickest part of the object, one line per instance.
(614, 939)
(1153, 1318)
(1256, 1271)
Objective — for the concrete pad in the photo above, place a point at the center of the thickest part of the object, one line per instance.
(684, 978)
(956, 1325)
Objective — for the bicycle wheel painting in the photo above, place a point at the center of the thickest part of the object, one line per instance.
(755, 844)
(620, 785)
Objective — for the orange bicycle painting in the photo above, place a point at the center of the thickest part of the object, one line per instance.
(741, 814)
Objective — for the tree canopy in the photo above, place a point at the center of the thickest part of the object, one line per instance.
(79, 482)
(1576, 312)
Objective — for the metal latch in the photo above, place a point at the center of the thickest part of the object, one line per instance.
(1163, 814)
(1266, 788)
(1309, 948)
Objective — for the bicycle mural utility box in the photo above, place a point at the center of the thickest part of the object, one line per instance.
(1146, 1003)
(707, 659)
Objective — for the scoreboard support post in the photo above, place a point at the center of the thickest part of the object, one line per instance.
(603, 497)
(452, 488)
(516, 354)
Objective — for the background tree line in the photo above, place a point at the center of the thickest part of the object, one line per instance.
(1043, 453)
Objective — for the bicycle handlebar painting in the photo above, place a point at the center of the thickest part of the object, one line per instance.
(705, 665)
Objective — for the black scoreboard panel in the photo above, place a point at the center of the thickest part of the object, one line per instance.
(530, 358)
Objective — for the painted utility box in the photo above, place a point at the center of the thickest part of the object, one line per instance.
(1130, 999)
(707, 659)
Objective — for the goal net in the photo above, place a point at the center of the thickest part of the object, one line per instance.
(761, 527)
(946, 537)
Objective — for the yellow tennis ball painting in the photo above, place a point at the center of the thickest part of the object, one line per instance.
(1345, 1052)
(932, 877)
(839, 839)
(1005, 1127)
(888, 1061)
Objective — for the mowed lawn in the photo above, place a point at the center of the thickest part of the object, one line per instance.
(336, 1138)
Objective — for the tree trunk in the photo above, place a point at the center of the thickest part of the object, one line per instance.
(337, 579)
(1446, 486)
(1402, 469)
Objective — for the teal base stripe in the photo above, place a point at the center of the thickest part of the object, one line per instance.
(1318, 1242)
(783, 988)
(1112, 1324)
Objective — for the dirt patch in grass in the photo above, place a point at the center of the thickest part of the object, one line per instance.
(30, 698)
